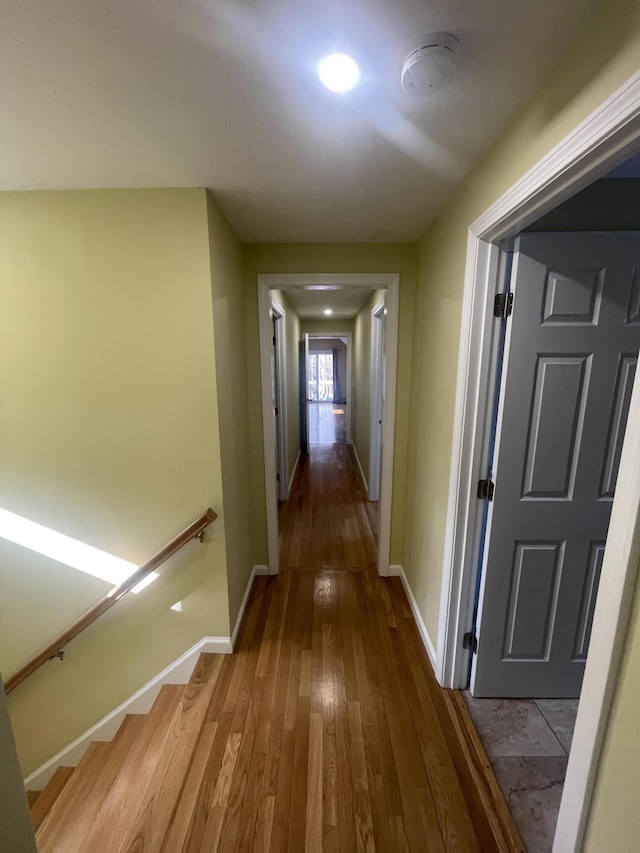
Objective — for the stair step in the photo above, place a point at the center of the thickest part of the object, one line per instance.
(109, 811)
(32, 798)
(75, 791)
(43, 804)
(96, 772)
(167, 760)
(123, 794)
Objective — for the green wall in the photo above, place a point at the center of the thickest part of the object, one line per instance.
(229, 330)
(362, 382)
(601, 59)
(330, 258)
(292, 336)
(109, 413)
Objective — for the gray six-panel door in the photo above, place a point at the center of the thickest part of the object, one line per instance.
(570, 358)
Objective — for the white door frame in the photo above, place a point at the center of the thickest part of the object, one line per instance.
(279, 315)
(318, 336)
(604, 139)
(375, 397)
(329, 281)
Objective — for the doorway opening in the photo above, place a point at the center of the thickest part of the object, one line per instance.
(355, 410)
(589, 153)
(330, 400)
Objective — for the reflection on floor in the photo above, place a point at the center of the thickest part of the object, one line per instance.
(328, 521)
(528, 743)
(327, 423)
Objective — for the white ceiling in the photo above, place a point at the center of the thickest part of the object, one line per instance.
(345, 302)
(223, 94)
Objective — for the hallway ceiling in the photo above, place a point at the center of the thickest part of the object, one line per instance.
(345, 302)
(223, 94)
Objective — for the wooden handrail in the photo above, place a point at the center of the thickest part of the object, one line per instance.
(54, 649)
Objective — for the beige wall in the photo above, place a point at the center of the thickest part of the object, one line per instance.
(328, 258)
(604, 56)
(109, 416)
(16, 833)
(229, 329)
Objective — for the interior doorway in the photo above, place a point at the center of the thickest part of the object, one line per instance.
(329, 388)
(365, 283)
(589, 153)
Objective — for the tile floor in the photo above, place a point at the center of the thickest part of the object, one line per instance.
(528, 743)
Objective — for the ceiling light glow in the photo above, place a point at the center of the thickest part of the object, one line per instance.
(339, 72)
(327, 311)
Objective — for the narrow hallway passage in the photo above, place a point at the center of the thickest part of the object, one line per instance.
(328, 522)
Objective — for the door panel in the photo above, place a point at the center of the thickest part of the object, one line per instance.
(570, 357)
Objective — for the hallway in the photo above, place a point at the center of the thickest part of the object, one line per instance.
(328, 521)
(324, 731)
(388, 761)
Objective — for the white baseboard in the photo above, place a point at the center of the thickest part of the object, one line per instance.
(178, 672)
(257, 570)
(395, 571)
(364, 479)
(293, 472)
(422, 628)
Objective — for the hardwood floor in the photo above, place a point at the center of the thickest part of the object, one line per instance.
(328, 521)
(324, 732)
(327, 423)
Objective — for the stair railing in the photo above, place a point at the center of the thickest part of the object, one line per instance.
(55, 649)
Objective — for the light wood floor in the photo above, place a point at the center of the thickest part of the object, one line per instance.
(328, 521)
(324, 732)
(327, 423)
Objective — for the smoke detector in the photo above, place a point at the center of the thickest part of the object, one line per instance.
(431, 66)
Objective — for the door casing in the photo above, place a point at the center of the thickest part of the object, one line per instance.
(606, 138)
(390, 282)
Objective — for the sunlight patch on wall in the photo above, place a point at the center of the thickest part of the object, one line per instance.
(65, 549)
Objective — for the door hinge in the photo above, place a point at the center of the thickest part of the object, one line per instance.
(278, 478)
(485, 490)
(470, 641)
(503, 305)
(274, 340)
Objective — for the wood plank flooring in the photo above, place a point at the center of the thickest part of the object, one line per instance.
(328, 522)
(324, 732)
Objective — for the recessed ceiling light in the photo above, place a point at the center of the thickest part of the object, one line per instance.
(327, 311)
(339, 72)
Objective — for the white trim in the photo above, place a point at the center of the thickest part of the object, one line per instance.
(268, 426)
(256, 570)
(610, 623)
(601, 141)
(280, 332)
(178, 672)
(376, 398)
(293, 474)
(395, 571)
(422, 628)
(322, 281)
(364, 479)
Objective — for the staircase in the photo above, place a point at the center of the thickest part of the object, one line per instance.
(139, 791)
